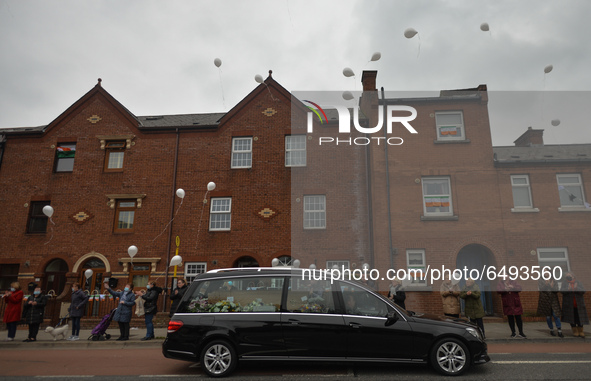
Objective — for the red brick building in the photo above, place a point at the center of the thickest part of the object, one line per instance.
(444, 197)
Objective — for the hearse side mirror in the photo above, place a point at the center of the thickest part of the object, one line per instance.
(391, 318)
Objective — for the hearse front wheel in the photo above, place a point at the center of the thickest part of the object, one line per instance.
(218, 358)
(450, 357)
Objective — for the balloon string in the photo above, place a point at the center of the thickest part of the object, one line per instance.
(201, 218)
(272, 97)
(222, 86)
(51, 229)
(419, 45)
(170, 222)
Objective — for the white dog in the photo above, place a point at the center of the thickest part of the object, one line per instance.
(58, 333)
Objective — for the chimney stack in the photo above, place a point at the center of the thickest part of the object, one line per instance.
(368, 79)
(530, 138)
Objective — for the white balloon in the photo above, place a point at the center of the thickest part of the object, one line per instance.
(48, 210)
(312, 267)
(258, 78)
(275, 262)
(217, 62)
(296, 263)
(180, 193)
(555, 122)
(210, 186)
(88, 273)
(548, 69)
(484, 27)
(348, 72)
(132, 251)
(347, 95)
(410, 33)
(365, 266)
(376, 56)
(176, 260)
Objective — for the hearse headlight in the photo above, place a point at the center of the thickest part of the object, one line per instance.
(474, 332)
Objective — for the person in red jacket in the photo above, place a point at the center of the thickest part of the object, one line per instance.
(12, 314)
(509, 290)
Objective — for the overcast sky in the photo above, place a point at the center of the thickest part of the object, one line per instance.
(156, 57)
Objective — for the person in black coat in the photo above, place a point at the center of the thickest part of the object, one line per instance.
(150, 297)
(396, 293)
(33, 313)
(177, 295)
(76, 310)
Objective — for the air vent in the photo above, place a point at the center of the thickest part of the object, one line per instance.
(154, 117)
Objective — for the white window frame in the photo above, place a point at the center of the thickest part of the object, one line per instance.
(422, 267)
(527, 186)
(426, 197)
(340, 264)
(237, 153)
(564, 192)
(549, 261)
(213, 213)
(439, 126)
(289, 162)
(310, 215)
(192, 269)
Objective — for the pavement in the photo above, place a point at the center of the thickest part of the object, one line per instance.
(496, 332)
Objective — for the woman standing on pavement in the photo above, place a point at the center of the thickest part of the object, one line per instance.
(123, 313)
(450, 295)
(549, 305)
(509, 290)
(474, 310)
(177, 295)
(574, 310)
(150, 297)
(33, 313)
(12, 313)
(76, 310)
(396, 293)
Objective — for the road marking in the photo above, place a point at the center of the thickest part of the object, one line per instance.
(68, 376)
(543, 362)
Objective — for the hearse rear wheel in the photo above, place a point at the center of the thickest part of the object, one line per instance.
(218, 358)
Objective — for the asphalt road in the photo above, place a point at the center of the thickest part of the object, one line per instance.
(512, 361)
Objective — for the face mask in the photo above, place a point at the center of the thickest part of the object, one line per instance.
(148, 287)
(74, 290)
(126, 289)
(569, 278)
(12, 289)
(36, 292)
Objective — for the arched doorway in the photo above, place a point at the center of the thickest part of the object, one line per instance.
(55, 276)
(477, 257)
(246, 262)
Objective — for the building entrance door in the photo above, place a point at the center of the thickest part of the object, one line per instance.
(477, 257)
(93, 284)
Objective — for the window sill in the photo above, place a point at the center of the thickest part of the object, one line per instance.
(439, 218)
(220, 230)
(525, 210)
(459, 141)
(574, 209)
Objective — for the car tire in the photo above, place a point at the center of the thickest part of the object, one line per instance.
(450, 357)
(218, 358)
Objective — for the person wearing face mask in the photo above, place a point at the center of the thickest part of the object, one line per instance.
(574, 310)
(177, 295)
(150, 297)
(122, 314)
(76, 310)
(33, 313)
(12, 313)
(473, 308)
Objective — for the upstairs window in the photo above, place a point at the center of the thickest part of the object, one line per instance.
(315, 212)
(570, 190)
(114, 155)
(64, 157)
(220, 216)
(450, 125)
(437, 196)
(124, 216)
(521, 192)
(295, 151)
(242, 152)
(37, 222)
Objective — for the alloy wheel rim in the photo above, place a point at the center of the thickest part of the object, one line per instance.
(451, 357)
(217, 359)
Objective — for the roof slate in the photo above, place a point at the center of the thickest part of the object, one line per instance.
(543, 154)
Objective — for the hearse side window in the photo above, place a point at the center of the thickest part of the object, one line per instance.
(247, 294)
(360, 302)
(310, 296)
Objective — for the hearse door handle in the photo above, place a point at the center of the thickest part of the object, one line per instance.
(294, 322)
(354, 325)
